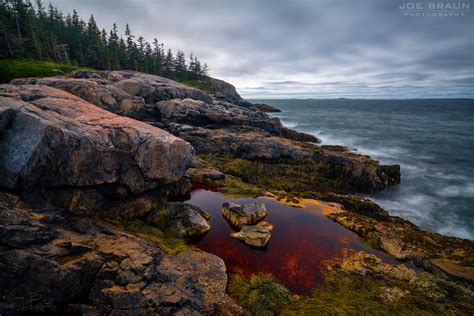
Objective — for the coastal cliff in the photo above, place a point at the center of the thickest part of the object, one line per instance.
(90, 162)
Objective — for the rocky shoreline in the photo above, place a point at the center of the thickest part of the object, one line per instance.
(90, 162)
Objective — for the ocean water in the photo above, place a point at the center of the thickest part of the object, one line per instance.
(432, 140)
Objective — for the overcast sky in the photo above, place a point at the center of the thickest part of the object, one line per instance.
(307, 48)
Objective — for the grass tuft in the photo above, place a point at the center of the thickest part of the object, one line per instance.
(12, 68)
(197, 83)
(261, 294)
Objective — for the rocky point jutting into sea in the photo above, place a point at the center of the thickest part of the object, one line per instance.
(92, 169)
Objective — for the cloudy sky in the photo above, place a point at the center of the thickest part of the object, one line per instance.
(308, 48)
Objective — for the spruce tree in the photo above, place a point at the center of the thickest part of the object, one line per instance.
(47, 34)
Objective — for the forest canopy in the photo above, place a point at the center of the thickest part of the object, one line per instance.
(30, 30)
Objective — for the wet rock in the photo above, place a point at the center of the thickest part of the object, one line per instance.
(265, 225)
(363, 173)
(189, 220)
(265, 108)
(254, 236)
(241, 215)
(77, 248)
(403, 240)
(358, 205)
(454, 269)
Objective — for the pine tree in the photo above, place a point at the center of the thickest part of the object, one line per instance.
(113, 48)
(205, 70)
(94, 47)
(48, 34)
(76, 44)
(168, 64)
(141, 54)
(132, 50)
(158, 57)
(180, 64)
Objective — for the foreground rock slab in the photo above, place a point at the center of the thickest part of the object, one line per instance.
(52, 263)
(241, 215)
(254, 236)
(53, 139)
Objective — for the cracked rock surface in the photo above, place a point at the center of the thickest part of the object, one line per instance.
(50, 261)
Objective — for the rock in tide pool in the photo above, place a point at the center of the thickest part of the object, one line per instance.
(254, 236)
(266, 225)
(190, 220)
(241, 215)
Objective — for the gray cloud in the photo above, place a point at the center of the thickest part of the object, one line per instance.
(307, 48)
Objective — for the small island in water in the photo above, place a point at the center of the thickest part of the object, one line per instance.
(134, 183)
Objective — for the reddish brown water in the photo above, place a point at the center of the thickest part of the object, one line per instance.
(303, 242)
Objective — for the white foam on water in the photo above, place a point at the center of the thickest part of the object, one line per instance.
(356, 144)
(425, 189)
(461, 190)
(419, 208)
(289, 124)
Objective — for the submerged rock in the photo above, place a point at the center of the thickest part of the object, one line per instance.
(189, 220)
(241, 215)
(254, 236)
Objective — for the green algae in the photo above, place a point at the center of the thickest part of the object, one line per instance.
(261, 294)
(233, 188)
(166, 239)
(345, 293)
(303, 179)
